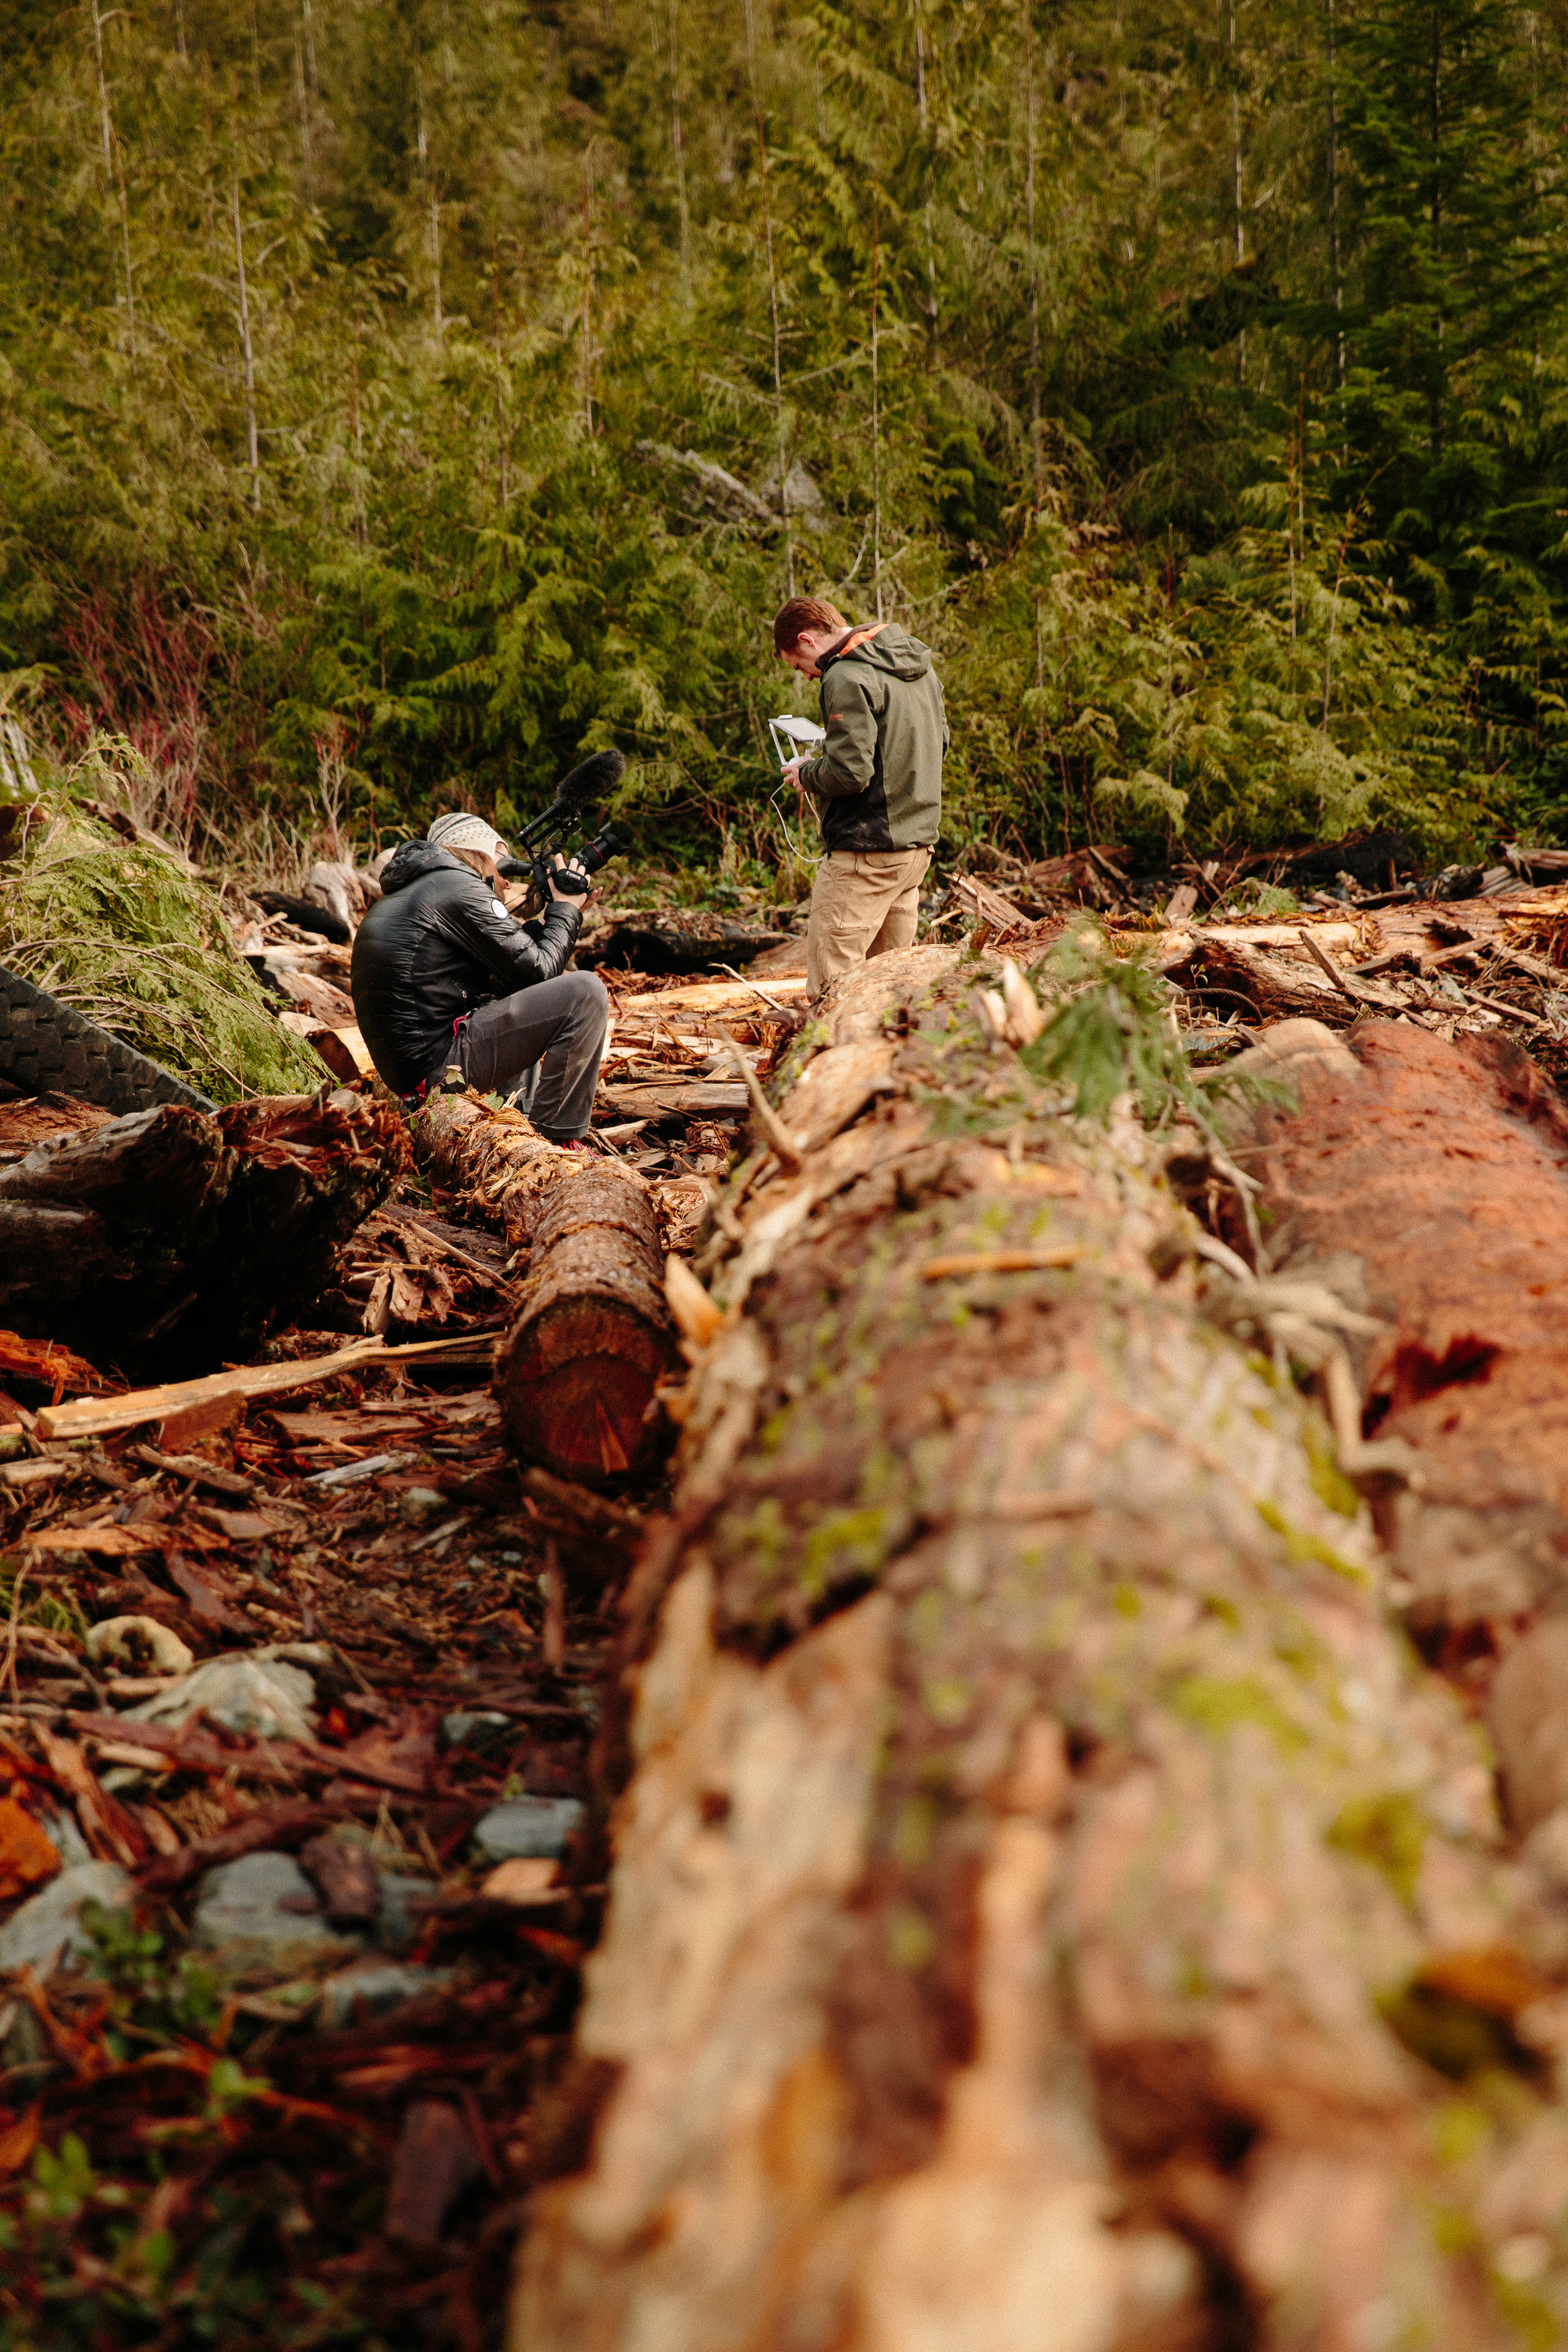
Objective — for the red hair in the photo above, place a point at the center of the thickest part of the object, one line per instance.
(801, 612)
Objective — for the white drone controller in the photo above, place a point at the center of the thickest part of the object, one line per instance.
(793, 736)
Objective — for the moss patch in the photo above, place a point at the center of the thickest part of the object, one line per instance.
(128, 940)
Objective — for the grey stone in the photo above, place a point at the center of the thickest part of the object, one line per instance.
(463, 1730)
(420, 1503)
(48, 1928)
(399, 1922)
(240, 1913)
(378, 1985)
(138, 1644)
(529, 1826)
(67, 1839)
(266, 1697)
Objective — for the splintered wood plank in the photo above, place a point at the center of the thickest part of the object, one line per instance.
(93, 1418)
(707, 995)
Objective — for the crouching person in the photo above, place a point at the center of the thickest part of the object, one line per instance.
(442, 975)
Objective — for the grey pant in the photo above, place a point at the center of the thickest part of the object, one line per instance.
(542, 1047)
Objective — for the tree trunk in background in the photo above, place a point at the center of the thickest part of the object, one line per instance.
(577, 1373)
(1036, 1829)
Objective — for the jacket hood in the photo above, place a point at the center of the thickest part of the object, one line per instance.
(892, 649)
(414, 858)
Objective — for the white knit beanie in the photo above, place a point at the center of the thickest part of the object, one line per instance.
(458, 830)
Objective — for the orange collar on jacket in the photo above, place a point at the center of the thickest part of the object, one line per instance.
(847, 645)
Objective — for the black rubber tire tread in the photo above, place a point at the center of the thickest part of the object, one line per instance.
(46, 1048)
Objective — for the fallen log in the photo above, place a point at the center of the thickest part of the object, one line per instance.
(1427, 1185)
(577, 1373)
(174, 1237)
(633, 943)
(1046, 1880)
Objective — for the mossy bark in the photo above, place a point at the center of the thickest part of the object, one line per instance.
(1034, 1822)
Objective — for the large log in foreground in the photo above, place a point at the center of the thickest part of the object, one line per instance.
(1050, 1909)
(171, 1240)
(577, 1373)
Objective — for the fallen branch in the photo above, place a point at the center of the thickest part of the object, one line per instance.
(93, 1417)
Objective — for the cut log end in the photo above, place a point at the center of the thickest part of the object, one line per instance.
(576, 1376)
(592, 1418)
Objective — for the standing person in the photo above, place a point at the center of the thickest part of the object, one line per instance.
(879, 780)
(443, 976)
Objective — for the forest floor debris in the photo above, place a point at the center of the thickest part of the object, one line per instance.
(294, 1966)
(302, 1847)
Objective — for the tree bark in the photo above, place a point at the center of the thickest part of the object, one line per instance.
(172, 1240)
(576, 1374)
(1464, 1361)
(1035, 1831)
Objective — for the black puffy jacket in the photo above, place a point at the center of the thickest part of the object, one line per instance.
(434, 945)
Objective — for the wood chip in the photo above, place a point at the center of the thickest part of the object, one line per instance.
(1005, 1261)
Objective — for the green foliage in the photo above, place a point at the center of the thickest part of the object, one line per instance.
(1111, 1035)
(124, 935)
(1224, 466)
(154, 1991)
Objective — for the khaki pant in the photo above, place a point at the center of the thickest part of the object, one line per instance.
(864, 903)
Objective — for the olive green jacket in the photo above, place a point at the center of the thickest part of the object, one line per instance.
(879, 779)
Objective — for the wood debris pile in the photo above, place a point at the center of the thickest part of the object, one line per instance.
(1459, 967)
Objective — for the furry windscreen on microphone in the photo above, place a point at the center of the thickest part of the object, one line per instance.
(592, 778)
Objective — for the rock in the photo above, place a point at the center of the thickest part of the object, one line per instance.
(400, 1920)
(264, 1916)
(1527, 1714)
(65, 1836)
(801, 494)
(139, 1643)
(461, 1731)
(370, 1988)
(267, 1697)
(418, 1504)
(48, 1928)
(529, 1826)
(346, 1877)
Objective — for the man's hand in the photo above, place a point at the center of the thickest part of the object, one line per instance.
(568, 898)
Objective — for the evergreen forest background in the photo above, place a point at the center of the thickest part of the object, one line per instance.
(1193, 378)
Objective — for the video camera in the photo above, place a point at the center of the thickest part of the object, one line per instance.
(548, 834)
